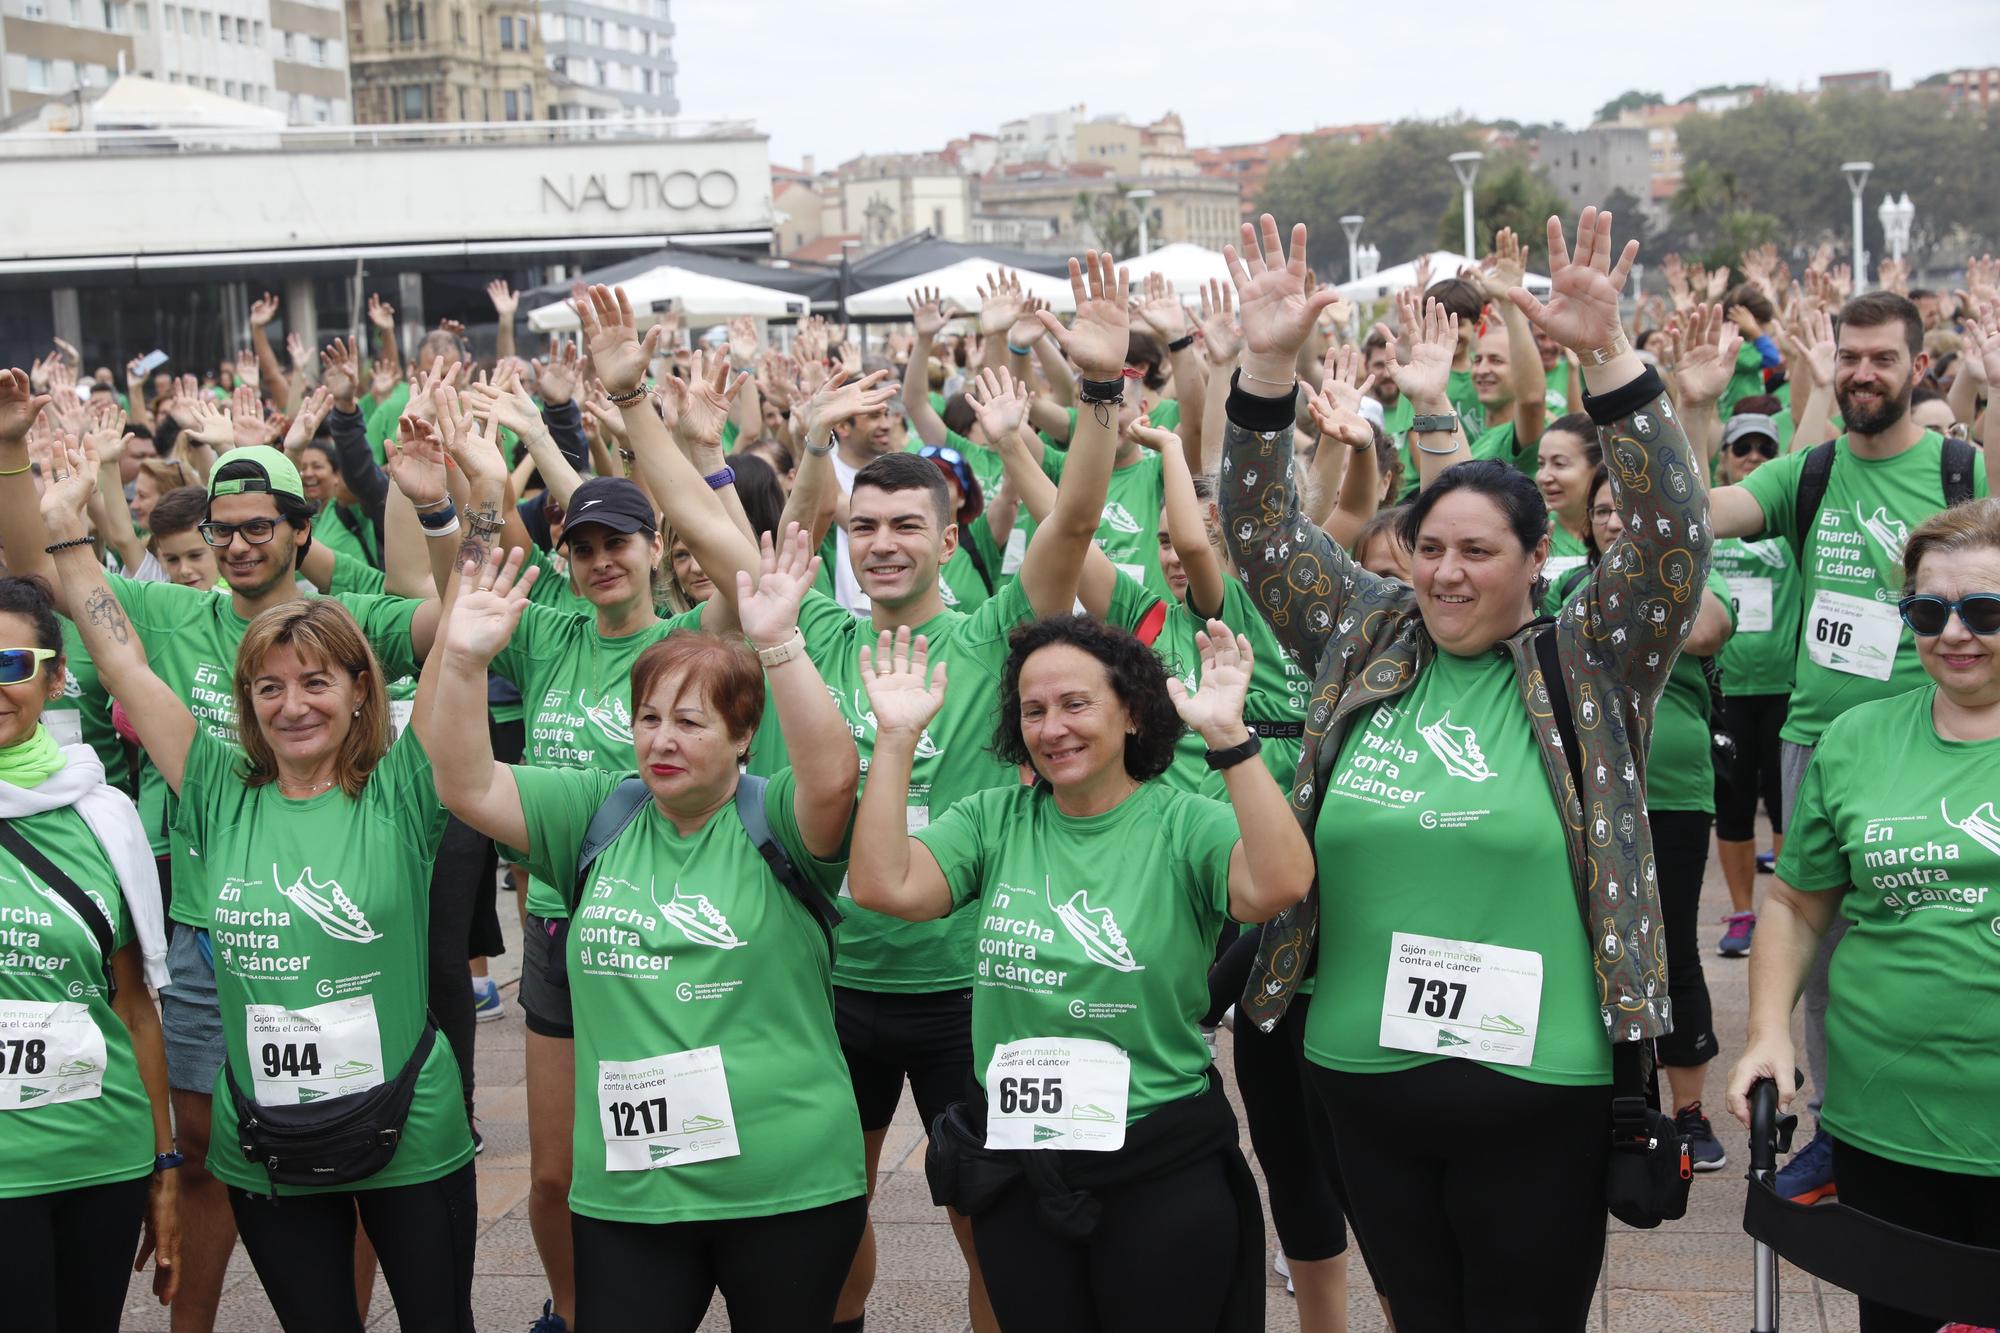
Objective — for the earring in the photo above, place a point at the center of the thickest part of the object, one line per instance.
(357, 712)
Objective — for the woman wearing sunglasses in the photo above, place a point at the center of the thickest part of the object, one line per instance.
(86, 1146)
(1896, 829)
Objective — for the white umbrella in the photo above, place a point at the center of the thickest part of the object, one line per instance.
(1444, 264)
(697, 296)
(957, 283)
(1184, 265)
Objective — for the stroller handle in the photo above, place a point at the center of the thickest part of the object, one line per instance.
(1770, 1133)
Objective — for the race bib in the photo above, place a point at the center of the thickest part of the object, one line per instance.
(1136, 573)
(1057, 1092)
(49, 1053)
(1560, 565)
(1461, 999)
(400, 711)
(671, 1110)
(1017, 548)
(65, 725)
(1751, 596)
(1853, 634)
(302, 1055)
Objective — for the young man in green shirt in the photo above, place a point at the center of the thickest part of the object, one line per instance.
(1853, 648)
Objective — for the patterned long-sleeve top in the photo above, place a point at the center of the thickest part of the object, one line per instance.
(1364, 642)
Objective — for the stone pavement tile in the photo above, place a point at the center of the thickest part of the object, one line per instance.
(1689, 1312)
(499, 1304)
(506, 1249)
(1688, 1261)
(1841, 1309)
(502, 1190)
(904, 1196)
(918, 1252)
(894, 1307)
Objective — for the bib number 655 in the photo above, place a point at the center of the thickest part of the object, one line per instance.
(1030, 1096)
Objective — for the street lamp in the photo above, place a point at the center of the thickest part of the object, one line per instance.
(1466, 167)
(1857, 181)
(1351, 224)
(1896, 215)
(1139, 198)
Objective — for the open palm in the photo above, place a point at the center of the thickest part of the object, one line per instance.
(489, 604)
(769, 610)
(901, 694)
(618, 354)
(1582, 310)
(1098, 336)
(1276, 308)
(415, 461)
(1000, 402)
(1216, 706)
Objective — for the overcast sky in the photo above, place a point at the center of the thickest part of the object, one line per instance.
(853, 76)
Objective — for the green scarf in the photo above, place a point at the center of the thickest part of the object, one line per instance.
(31, 762)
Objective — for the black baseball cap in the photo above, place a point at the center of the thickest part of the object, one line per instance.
(610, 502)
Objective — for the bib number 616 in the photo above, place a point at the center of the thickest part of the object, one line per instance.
(1836, 632)
(1030, 1096)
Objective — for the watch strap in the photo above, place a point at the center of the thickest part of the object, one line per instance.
(1605, 355)
(780, 653)
(1444, 423)
(1218, 760)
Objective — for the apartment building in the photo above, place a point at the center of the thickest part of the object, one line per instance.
(609, 58)
(446, 60)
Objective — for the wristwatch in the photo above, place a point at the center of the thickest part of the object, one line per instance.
(780, 653)
(1217, 760)
(1442, 424)
(167, 1161)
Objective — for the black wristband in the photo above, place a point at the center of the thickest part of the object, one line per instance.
(1101, 391)
(1181, 344)
(66, 545)
(1217, 760)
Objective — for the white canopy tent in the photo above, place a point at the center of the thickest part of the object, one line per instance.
(135, 102)
(957, 283)
(699, 297)
(1184, 265)
(1444, 264)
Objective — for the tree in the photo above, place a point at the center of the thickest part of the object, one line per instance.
(1630, 100)
(1507, 194)
(1400, 181)
(1114, 221)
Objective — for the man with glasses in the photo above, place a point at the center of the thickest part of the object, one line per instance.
(1846, 508)
(259, 524)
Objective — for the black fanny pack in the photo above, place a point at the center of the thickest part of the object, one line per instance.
(1650, 1169)
(333, 1141)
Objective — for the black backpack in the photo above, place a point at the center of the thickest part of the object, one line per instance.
(1954, 476)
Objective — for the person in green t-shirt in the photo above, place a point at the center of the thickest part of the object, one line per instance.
(710, 1086)
(1466, 300)
(316, 842)
(83, 1071)
(1886, 479)
(1894, 832)
(1506, 368)
(1088, 993)
(1569, 459)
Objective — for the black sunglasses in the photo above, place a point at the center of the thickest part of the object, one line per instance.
(1977, 611)
(1763, 444)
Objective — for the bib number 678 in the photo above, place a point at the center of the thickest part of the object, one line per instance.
(1030, 1096)
(1439, 999)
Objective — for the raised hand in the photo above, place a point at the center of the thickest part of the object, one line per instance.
(381, 314)
(305, 424)
(414, 460)
(1582, 310)
(20, 405)
(1423, 351)
(424, 388)
(70, 470)
(705, 399)
(742, 342)
(1161, 311)
(1505, 268)
(246, 369)
(337, 374)
(839, 399)
(504, 298)
(1025, 330)
(246, 416)
(1221, 336)
(611, 332)
(1000, 403)
(1982, 352)
(1703, 353)
(472, 445)
(263, 310)
(1336, 405)
(491, 597)
(769, 609)
(1278, 312)
(1215, 710)
(558, 373)
(1822, 347)
(105, 430)
(1147, 436)
(297, 351)
(1100, 332)
(1718, 281)
(901, 694)
(1676, 274)
(999, 302)
(1894, 275)
(930, 312)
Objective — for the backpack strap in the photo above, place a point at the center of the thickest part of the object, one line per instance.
(620, 808)
(79, 902)
(1813, 479)
(1552, 682)
(750, 809)
(1955, 471)
(972, 553)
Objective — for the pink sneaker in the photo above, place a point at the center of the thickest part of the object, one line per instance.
(1739, 927)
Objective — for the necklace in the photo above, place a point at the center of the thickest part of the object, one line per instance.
(304, 789)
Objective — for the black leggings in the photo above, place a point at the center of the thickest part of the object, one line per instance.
(303, 1249)
(1754, 720)
(1680, 852)
(1938, 1203)
(778, 1274)
(1160, 1257)
(72, 1253)
(1479, 1197)
(465, 867)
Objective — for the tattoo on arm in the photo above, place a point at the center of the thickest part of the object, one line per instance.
(482, 525)
(1106, 413)
(102, 609)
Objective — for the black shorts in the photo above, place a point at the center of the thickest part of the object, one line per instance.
(888, 1036)
(545, 979)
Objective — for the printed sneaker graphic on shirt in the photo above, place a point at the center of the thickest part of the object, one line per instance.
(334, 912)
(1456, 747)
(1773, 553)
(1982, 825)
(694, 1124)
(352, 1069)
(1094, 928)
(78, 1066)
(610, 716)
(695, 917)
(1501, 1023)
(1090, 1111)
(1889, 533)
(1120, 519)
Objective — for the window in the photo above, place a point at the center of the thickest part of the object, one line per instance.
(33, 9)
(506, 32)
(222, 28)
(287, 46)
(513, 105)
(458, 26)
(187, 22)
(599, 64)
(243, 32)
(413, 103)
(229, 87)
(573, 28)
(319, 50)
(597, 32)
(421, 34)
(142, 18)
(39, 72)
(560, 64)
(207, 24)
(527, 102)
(406, 24)
(257, 31)
(461, 104)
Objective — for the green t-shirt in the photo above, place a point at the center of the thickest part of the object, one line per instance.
(1567, 554)
(1556, 380)
(56, 1133)
(959, 584)
(88, 705)
(1504, 444)
(710, 952)
(1763, 586)
(1118, 952)
(1680, 764)
(1851, 574)
(1275, 706)
(382, 421)
(576, 698)
(1129, 531)
(1907, 818)
(1438, 820)
(191, 637)
(1746, 380)
(1397, 418)
(1465, 401)
(346, 531)
(318, 912)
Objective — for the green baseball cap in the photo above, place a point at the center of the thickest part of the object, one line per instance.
(279, 477)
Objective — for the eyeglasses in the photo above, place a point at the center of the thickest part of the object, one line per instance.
(19, 664)
(1977, 611)
(1763, 444)
(1603, 514)
(944, 451)
(257, 531)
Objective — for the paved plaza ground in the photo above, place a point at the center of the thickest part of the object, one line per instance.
(1694, 1274)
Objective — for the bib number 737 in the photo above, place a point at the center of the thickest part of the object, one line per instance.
(1461, 999)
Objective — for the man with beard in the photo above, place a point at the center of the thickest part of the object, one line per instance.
(1887, 475)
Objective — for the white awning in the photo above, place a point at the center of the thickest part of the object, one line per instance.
(957, 283)
(696, 296)
(1444, 264)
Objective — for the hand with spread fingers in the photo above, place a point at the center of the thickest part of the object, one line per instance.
(1214, 709)
(1100, 332)
(1336, 404)
(611, 332)
(1582, 310)
(1278, 310)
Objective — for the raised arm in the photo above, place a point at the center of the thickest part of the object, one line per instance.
(1814, 423)
(108, 510)
(22, 532)
(1421, 366)
(1703, 355)
(470, 782)
(164, 724)
(888, 871)
(1982, 344)
(1164, 316)
(929, 313)
(1221, 347)
(1346, 440)
(823, 787)
(1506, 269)
(262, 311)
(1187, 529)
(505, 302)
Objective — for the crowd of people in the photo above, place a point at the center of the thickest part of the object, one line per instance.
(1375, 691)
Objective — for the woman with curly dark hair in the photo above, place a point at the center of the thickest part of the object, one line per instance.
(1097, 1150)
